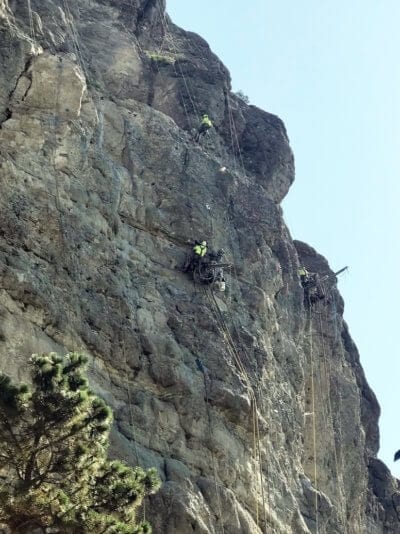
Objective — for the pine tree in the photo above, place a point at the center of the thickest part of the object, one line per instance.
(54, 470)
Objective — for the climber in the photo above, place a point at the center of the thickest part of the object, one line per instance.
(206, 266)
(193, 260)
(303, 273)
(313, 291)
(205, 125)
(200, 248)
(311, 283)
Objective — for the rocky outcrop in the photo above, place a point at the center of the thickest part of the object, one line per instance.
(253, 407)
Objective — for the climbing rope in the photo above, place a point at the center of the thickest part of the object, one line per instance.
(236, 147)
(338, 341)
(234, 135)
(220, 318)
(53, 158)
(209, 418)
(327, 373)
(74, 35)
(31, 25)
(64, 244)
(165, 26)
(314, 439)
(129, 391)
(73, 31)
(76, 44)
(253, 400)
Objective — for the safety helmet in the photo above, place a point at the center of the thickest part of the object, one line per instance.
(204, 243)
(205, 115)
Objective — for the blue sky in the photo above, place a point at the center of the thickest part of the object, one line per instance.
(330, 70)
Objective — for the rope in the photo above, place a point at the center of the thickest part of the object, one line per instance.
(327, 371)
(165, 25)
(234, 134)
(260, 466)
(256, 431)
(212, 452)
(31, 25)
(313, 418)
(327, 412)
(254, 417)
(129, 391)
(72, 29)
(253, 401)
(175, 50)
(226, 335)
(336, 341)
(237, 359)
(53, 157)
(234, 137)
(75, 37)
(75, 40)
(57, 195)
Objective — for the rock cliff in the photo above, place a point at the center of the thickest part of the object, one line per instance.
(253, 406)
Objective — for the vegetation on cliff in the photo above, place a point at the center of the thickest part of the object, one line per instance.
(54, 469)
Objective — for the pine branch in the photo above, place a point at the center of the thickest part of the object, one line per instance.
(40, 479)
(32, 460)
(9, 429)
(56, 444)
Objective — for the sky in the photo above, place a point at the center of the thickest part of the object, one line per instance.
(330, 70)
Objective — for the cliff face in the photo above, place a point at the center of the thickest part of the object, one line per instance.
(274, 428)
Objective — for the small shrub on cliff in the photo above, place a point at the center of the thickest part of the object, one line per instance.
(242, 96)
(161, 59)
(54, 470)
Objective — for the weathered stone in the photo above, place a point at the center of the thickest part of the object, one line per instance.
(102, 193)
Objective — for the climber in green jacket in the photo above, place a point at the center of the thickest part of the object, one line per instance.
(198, 252)
(302, 271)
(313, 289)
(205, 125)
(200, 249)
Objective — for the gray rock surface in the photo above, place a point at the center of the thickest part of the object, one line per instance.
(102, 190)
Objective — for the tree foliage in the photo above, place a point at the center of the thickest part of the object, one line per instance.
(242, 96)
(54, 470)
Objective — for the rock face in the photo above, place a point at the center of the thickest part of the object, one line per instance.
(253, 407)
